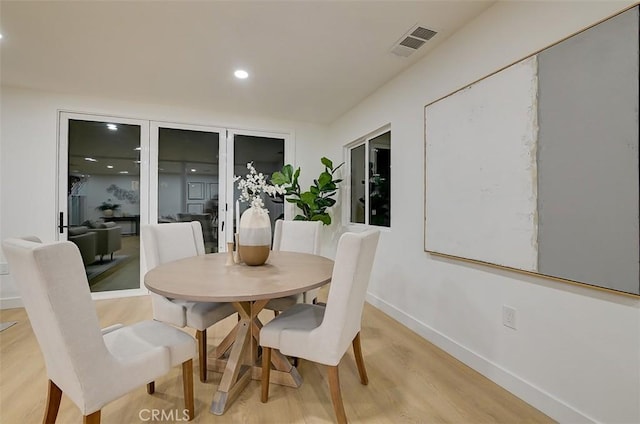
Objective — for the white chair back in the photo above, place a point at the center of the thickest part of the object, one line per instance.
(163, 243)
(54, 289)
(297, 236)
(351, 273)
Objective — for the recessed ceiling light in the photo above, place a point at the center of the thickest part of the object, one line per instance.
(110, 166)
(91, 160)
(136, 161)
(123, 172)
(241, 74)
(193, 170)
(112, 127)
(0, 36)
(138, 148)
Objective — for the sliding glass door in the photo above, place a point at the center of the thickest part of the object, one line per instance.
(116, 174)
(267, 152)
(101, 196)
(187, 178)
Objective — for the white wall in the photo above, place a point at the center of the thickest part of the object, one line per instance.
(95, 192)
(28, 152)
(576, 352)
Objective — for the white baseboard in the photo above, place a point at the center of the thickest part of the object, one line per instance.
(11, 303)
(535, 396)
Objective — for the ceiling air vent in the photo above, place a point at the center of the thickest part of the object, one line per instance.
(412, 41)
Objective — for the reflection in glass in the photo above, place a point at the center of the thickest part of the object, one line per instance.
(188, 180)
(104, 201)
(267, 155)
(357, 184)
(380, 180)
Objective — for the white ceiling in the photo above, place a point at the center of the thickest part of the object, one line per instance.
(308, 60)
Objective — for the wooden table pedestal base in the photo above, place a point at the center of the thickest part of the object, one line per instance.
(243, 362)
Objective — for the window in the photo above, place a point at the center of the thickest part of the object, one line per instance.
(369, 162)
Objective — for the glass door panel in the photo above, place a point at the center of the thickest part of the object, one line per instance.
(267, 155)
(380, 180)
(188, 178)
(101, 182)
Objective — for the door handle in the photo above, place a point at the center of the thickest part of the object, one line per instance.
(61, 225)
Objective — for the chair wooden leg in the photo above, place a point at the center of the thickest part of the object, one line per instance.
(187, 384)
(202, 353)
(357, 351)
(54, 394)
(336, 397)
(266, 371)
(276, 313)
(151, 387)
(92, 418)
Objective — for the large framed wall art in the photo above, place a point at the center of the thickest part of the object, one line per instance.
(536, 168)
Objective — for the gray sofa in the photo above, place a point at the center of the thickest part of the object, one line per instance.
(86, 241)
(108, 240)
(96, 238)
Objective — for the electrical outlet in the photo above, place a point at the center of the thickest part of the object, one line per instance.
(509, 317)
(4, 268)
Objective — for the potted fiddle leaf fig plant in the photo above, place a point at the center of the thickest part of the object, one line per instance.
(313, 203)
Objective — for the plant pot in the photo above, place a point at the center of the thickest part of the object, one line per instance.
(254, 242)
(107, 212)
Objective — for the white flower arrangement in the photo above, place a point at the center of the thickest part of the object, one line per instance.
(254, 185)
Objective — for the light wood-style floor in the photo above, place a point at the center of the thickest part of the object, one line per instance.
(410, 381)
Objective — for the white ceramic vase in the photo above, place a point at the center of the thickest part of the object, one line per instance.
(254, 236)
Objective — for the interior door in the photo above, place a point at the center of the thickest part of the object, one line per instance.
(102, 195)
(188, 178)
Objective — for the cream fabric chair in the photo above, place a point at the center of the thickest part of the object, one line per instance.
(169, 242)
(91, 367)
(322, 334)
(295, 236)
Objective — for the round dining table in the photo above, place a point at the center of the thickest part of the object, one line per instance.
(215, 278)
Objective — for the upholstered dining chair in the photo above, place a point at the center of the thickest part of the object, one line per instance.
(169, 242)
(209, 232)
(295, 236)
(322, 334)
(92, 367)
